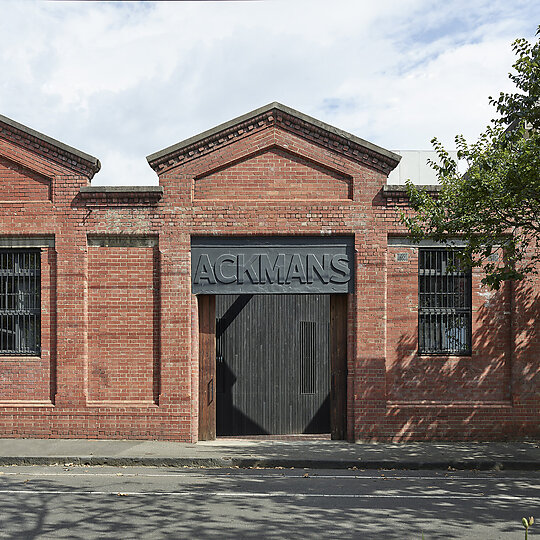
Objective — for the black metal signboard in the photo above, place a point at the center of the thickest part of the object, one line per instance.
(272, 265)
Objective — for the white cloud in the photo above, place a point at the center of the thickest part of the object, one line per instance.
(122, 80)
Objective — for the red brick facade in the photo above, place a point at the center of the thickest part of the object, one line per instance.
(119, 329)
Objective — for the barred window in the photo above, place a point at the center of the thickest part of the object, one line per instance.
(20, 304)
(444, 310)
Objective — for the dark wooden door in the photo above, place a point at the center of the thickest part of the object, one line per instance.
(273, 364)
(207, 367)
(338, 365)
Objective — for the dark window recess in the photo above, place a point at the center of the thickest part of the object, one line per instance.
(20, 303)
(444, 311)
(308, 354)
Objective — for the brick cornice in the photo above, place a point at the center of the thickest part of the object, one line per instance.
(285, 118)
(121, 195)
(398, 190)
(48, 148)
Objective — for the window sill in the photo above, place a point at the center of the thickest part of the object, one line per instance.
(14, 358)
(26, 403)
(122, 403)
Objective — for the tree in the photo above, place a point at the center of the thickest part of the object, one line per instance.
(494, 208)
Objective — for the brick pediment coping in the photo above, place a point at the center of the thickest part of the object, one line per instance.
(399, 190)
(275, 114)
(121, 195)
(397, 194)
(51, 149)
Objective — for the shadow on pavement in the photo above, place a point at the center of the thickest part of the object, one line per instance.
(220, 508)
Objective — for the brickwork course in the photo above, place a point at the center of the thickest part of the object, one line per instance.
(119, 331)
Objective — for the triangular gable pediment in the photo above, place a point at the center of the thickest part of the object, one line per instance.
(20, 183)
(274, 173)
(285, 118)
(42, 154)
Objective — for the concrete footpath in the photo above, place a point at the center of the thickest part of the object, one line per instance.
(265, 453)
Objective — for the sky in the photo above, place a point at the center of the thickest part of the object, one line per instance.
(122, 80)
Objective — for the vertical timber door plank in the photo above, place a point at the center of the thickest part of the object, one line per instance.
(338, 365)
(207, 367)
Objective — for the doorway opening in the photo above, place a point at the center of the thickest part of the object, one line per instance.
(272, 365)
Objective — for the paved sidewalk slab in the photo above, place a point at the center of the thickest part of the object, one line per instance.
(272, 453)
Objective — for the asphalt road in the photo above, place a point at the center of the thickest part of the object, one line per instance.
(106, 502)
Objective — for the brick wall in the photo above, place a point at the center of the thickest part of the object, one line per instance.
(273, 174)
(483, 376)
(20, 184)
(123, 317)
(29, 379)
(119, 329)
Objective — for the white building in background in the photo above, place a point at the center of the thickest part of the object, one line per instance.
(414, 165)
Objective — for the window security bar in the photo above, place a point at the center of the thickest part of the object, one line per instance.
(20, 302)
(444, 313)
